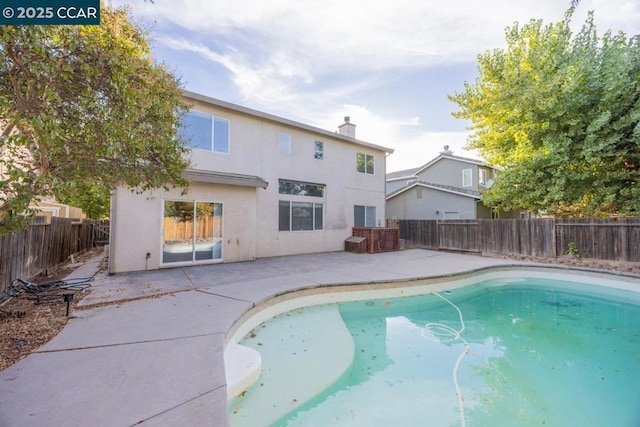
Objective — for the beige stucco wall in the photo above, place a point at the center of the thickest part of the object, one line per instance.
(250, 214)
(254, 151)
(338, 202)
(136, 224)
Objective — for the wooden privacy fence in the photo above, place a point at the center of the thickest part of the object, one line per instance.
(42, 246)
(177, 230)
(615, 239)
(101, 232)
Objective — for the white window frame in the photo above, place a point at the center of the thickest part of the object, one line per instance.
(305, 189)
(284, 142)
(286, 195)
(318, 150)
(214, 119)
(366, 168)
(482, 177)
(193, 260)
(367, 215)
(467, 177)
(314, 206)
(450, 215)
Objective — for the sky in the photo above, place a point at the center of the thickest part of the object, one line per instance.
(389, 65)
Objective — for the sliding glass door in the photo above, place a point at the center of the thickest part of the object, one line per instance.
(192, 231)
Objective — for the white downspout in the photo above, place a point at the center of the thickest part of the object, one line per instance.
(112, 229)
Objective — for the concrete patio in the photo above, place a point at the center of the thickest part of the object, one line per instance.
(147, 348)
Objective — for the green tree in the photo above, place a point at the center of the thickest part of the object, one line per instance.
(84, 108)
(560, 113)
(93, 197)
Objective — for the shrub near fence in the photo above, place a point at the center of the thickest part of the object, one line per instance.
(616, 239)
(41, 247)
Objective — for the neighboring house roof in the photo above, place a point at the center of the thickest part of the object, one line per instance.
(439, 187)
(63, 210)
(280, 120)
(403, 174)
(214, 177)
(452, 157)
(412, 173)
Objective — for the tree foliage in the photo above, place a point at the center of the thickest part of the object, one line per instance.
(561, 114)
(83, 109)
(94, 198)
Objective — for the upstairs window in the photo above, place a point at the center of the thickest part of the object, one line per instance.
(284, 142)
(364, 163)
(205, 131)
(482, 177)
(318, 150)
(467, 177)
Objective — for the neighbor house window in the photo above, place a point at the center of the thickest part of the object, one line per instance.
(364, 216)
(304, 212)
(364, 163)
(204, 131)
(318, 150)
(451, 215)
(467, 178)
(284, 142)
(482, 177)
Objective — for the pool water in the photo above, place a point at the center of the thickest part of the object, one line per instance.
(533, 353)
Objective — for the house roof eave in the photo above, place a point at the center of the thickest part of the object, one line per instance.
(225, 178)
(453, 190)
(280, 120)
(452, 157)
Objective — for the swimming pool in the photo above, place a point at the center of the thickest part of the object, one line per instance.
(506, 351)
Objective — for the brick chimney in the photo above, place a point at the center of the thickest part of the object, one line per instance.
(347, 128)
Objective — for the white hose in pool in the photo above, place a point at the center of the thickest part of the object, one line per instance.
(455, 336)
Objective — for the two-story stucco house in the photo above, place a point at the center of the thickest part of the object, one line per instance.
(447, 187)
(261, 186)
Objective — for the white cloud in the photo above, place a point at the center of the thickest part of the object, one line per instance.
(270, 46)
(311, 60)
(261, 84)
(614, 15)
(413, 146)
(361, 33)
(419, 150)
(357, 33)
